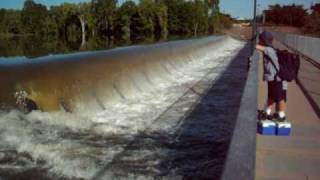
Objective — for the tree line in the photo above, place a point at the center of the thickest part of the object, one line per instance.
(295, 15)
(108, 18)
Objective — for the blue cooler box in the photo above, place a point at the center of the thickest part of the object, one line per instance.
(267, 127)
(284, 128)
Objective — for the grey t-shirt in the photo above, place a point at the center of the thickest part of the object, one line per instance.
(270, 71)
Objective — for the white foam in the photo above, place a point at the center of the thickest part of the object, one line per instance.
(73, 145)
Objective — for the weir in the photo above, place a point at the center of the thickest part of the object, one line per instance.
(172, 111)
(91, 80)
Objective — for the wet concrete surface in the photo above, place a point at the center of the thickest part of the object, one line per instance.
(197, 149)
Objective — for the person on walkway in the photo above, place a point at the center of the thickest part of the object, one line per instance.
(277, 89)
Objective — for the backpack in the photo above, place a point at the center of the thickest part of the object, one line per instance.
(289, 64)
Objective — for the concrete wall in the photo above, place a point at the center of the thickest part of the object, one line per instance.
(240, 162)
(309, 46)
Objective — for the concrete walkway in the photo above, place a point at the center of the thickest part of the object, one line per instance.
(296, 157)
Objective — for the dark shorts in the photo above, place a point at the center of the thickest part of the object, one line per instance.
(276, 92)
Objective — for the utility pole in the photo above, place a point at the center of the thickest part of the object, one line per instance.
(254, 27)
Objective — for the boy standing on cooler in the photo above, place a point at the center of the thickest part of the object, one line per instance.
(277, 88)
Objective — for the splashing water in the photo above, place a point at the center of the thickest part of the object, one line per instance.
(65, 145)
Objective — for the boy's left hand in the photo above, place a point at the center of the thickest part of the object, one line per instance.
(260, 47)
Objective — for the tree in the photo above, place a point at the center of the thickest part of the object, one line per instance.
(214, 23)
(153, 16)
(201, 19)
(123, 22)
(194, 17)
(104, 10)
(149, 18)
(33, 17)
(10, 21)
(316, 8)
(292, 15)
(83, 13)
(175, 20)
(161, 21)
(141, 25)
(89, 18)
(213, 6)
(73, 19)
(142, 21)
(214, 18)
(50, 26)
(2, 17)
(312, 24)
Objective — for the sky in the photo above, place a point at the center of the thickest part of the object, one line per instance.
(237, 8)
(244, 8)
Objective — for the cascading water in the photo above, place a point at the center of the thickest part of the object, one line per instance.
(111, 113)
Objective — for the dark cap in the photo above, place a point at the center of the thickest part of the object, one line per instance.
(267, 38)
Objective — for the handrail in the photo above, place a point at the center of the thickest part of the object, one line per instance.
(303, 55)
(292, 42)
(304, 45)
(240, 161)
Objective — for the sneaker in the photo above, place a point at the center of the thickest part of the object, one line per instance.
(269, 117)
(277, 118)
(262, 115)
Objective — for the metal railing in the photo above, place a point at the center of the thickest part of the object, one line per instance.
(308, 49)
(305, 45)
